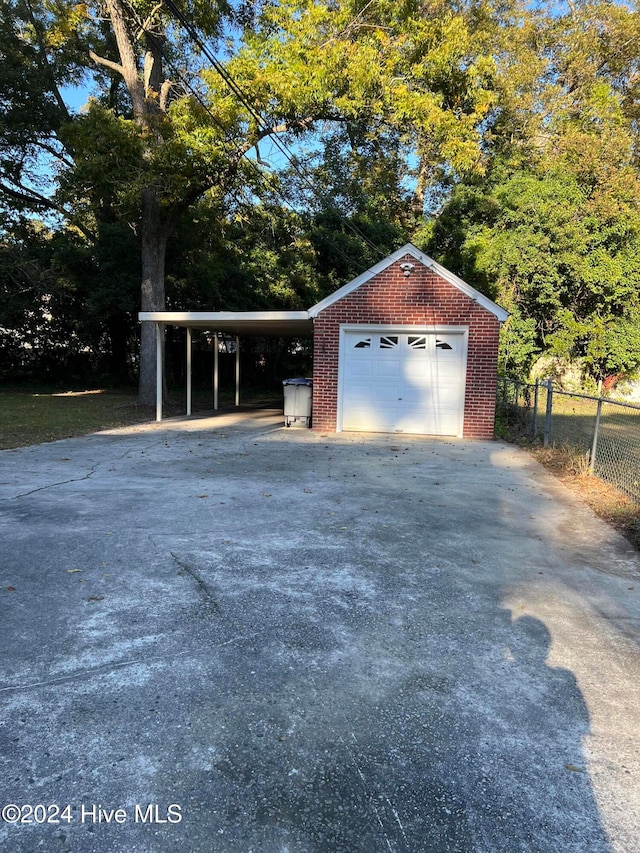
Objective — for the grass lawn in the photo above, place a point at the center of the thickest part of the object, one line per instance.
(605, 500)
(29, 417)
(33, 417)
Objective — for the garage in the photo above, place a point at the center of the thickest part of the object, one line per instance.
(402, 379)
(406, 347)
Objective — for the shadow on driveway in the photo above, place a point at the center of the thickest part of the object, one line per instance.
(289, 641)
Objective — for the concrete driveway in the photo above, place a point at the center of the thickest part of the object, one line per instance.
(221, 636)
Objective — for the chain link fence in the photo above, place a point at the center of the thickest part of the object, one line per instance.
(603, 432)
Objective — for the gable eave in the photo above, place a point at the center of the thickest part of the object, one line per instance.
(363, 278)
(425, 260)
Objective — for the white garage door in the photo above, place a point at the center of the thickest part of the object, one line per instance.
(403, 381)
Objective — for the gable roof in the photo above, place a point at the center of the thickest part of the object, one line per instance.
(426, 261)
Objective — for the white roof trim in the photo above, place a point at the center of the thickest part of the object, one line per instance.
(410, 249)
(294, 323)
(184, 317)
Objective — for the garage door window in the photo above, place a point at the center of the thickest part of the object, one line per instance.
(440, 344)
(363, 343)
(388, 342)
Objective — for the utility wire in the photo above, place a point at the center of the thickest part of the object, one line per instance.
(244, 99)
(240, 154)
(234, 149)
(237, 151)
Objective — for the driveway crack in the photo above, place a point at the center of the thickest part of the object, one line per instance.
(92, 470)
(97, 670)
(51, 486)
(202, 587)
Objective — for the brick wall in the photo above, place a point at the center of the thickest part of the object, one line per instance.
(424, 298)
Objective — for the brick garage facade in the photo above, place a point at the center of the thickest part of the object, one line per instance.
(429, 296)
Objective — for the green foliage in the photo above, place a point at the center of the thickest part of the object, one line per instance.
(107, 165)
(552, 230)
(250, 257)
(517, 124)
(67, 308)
(561, 257)
(411, 67)
(518, 344)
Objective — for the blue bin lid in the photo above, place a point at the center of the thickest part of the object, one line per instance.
(297, 381)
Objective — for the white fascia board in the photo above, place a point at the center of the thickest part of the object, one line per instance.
(295, 324)
(410, 249)
(183, 318)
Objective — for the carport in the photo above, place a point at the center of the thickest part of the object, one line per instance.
(294, 324)
(406, 347)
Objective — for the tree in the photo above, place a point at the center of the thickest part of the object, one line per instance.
(410, 82)
(175, 152)
(552, 230)
(67, 307)
(142, 155)
(243, 256)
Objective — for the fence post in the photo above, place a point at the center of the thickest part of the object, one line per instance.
(535, 409)
(547, 417)
(594, 446)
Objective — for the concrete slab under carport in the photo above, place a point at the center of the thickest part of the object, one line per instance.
(313, 642)
(291, 324)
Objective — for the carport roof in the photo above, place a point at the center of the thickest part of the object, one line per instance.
(297, 324)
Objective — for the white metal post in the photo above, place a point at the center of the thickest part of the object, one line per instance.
(188, 372)
(594, 445)
(159, 371)
(215, 371)
(237, 370)
(547, 417)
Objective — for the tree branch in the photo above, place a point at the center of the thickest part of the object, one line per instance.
(129, 67)
(107, 63)
(45, 64)
(165, 90)
(49, 149)
(147, 24)
(34, 199)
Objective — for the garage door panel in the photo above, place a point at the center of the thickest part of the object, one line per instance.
(388, 373)
(371, 419)
(426, 389)
(403, 382)
(361, 371)
(430, 375)
(383, 397)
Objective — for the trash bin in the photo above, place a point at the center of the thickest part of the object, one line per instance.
(297, 401)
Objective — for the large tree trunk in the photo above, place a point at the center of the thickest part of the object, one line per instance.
(148, 91)
(154, 233)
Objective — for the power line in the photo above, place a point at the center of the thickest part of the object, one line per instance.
(237, 152)
(244, 99)
(241, 154)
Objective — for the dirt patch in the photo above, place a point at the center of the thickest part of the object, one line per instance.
(604, 499)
